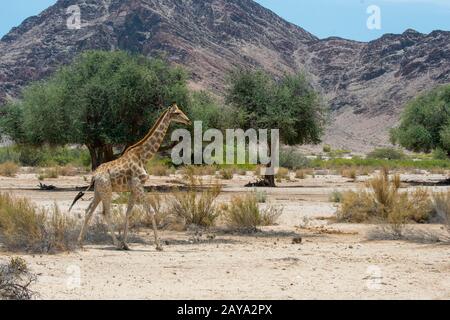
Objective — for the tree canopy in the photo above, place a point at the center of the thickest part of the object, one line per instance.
(425, 122)
(290, 104)
(101, 100)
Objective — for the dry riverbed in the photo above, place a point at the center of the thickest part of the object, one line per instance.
(333, 261)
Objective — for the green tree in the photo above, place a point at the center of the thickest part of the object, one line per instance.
(104, 100)
(290, 105)
(425, 122)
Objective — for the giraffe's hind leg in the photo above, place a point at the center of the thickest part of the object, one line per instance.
(89, 212)
(104, 188)
(107, 215)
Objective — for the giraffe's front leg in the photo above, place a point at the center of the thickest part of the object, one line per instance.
(131, 203)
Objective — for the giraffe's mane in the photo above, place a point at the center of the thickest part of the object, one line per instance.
(149, 134)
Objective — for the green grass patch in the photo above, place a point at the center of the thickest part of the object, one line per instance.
(380, 163)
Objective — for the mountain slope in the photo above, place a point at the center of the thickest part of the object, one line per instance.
(366, 84)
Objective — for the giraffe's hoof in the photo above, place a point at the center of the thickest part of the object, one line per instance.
(159, 248)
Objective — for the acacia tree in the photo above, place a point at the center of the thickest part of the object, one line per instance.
(290, 105)
(102, 100)
(425, 122)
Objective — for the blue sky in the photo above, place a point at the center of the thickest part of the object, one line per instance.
(324, 18)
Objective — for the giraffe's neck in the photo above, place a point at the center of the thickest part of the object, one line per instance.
(150, 145)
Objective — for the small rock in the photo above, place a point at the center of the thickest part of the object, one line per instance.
(297, 240)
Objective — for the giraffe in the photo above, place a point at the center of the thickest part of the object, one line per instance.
(128, 174)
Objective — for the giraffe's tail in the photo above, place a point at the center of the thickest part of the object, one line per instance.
(81, 194)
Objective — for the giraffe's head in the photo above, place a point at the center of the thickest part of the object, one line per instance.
(178, 116)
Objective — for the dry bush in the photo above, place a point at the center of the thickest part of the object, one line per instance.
(383, 203)
(49, 173)
(282, 173)
(195, 207)
(261, 196)
(336, 196)
(15, 280)
(68, 171)
(159, 170)
(300, 174)
(9, 169)
(226, 174)
(356, 207)
(24, 227)
(243, 213)
(349, 173)
(441, 204)
(385, 193)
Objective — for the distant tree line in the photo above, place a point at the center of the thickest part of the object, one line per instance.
(109, 100)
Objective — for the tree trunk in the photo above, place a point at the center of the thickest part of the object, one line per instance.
(100, 155)
(269, 181)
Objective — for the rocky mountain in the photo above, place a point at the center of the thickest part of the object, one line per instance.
(365, 84)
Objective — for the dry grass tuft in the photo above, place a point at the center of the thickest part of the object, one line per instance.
(159, 170)
(383, 203)
(244, 213)
(56, 172)
(24, 227)
(349, 173)
(441, 203)
(300, 174)
(9, 169)
(282, 174)
(15, 280)
(226, 174)
(196, 207)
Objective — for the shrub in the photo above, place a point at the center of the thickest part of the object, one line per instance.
(282, 173)
(386, 153)
(440, 154)
(349, 173)
(15, 280)
(46, 156)
(336, 196)
(158, 170)
(23, 227)
(327, 148)
(383, 203)
(197, 208)
(356, 207)
(293, 159)
(300, 174)
(9, 154)
(9, 169)
(49, 173)
(244, 213)
(261, 196)
(226, 174)
(441, 203)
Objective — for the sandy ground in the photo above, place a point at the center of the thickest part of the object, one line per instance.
(334, 261)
